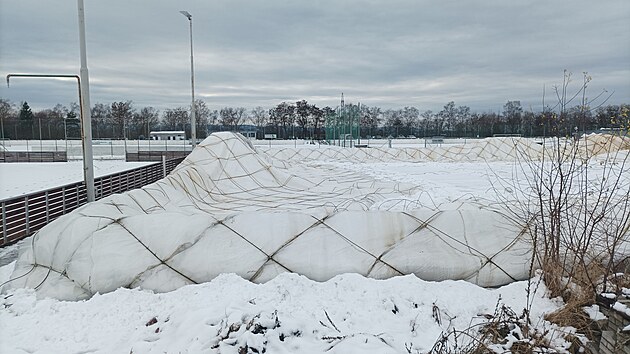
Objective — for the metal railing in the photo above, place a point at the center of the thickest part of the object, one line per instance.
(33, 156)
(24, 215)
(154, 155)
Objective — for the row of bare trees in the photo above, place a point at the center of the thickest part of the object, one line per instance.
(302, 119)
(460, 121)
(117, 120)
(452, 120)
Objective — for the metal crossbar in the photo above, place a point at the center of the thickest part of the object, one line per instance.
(24, 215)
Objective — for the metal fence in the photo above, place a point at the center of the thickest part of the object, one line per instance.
(154, 155)
(23, 216)
(33, 156)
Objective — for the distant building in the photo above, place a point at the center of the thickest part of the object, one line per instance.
(168, 135)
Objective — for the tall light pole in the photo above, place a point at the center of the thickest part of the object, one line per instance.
(193, 125)
(86, 115)
(2, 128)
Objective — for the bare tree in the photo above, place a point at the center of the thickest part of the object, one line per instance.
(72, 121)
(427, 122)
(578, 214)
(58, 115)
(447, 118)
(317, 116)
(240, 116)
(283, 115)
(512, 113)
(303, 115)
(260, 117)
(175, 119)
(410, 118)
(213, 117)
(7, 112)
(370, 118)
(394, 121)
(121, 115)
(226, 116)
(100, 115)
(145, 119)
(202, 118)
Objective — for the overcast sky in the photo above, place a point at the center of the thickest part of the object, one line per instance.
(250, 53)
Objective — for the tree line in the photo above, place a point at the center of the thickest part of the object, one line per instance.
(304, 120)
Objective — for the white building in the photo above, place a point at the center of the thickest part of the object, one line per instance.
(168, 135)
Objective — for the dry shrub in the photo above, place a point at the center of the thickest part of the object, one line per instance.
(573, 315)
(503, 332)
(576, 205)
(553, 276)
(580, 285)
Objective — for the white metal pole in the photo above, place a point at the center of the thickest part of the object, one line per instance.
(193, 125)
(86, 117)
(65, 128)
(193, 120)
(39, 118)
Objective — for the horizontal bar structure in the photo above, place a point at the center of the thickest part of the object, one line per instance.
(33, 156)
(23, 216)
(154, 155)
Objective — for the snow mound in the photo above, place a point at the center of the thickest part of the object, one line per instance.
(491, 149)
(597, 144)
(231, 209)
(348, 314)
(484, 150)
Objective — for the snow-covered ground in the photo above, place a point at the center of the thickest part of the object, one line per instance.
(101, 149)
(22, 178)
(289, 313)
(115, 149)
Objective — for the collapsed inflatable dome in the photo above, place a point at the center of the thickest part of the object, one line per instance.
(231, 208)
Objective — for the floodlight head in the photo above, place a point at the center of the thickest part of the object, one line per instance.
(187, 14)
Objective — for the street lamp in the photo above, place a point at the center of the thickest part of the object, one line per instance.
(193, 125)
(86, 115)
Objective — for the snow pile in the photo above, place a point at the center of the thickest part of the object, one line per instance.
(596, 144)
(484, 150)
(228, 208)
(289, 314)
(490, 149)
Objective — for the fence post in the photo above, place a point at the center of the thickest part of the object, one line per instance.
(47, 209)
(163, 166)
(4, 223)
(97, 188)
(63, 198)
(26, 218)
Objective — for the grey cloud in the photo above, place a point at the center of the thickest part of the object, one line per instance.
(249, 53)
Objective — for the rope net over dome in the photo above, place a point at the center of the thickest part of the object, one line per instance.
(230, 208)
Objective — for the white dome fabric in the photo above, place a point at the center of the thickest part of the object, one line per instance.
(229, 208)
(484, 150)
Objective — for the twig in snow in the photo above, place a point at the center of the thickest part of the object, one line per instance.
(436, 314)
(331, 322)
